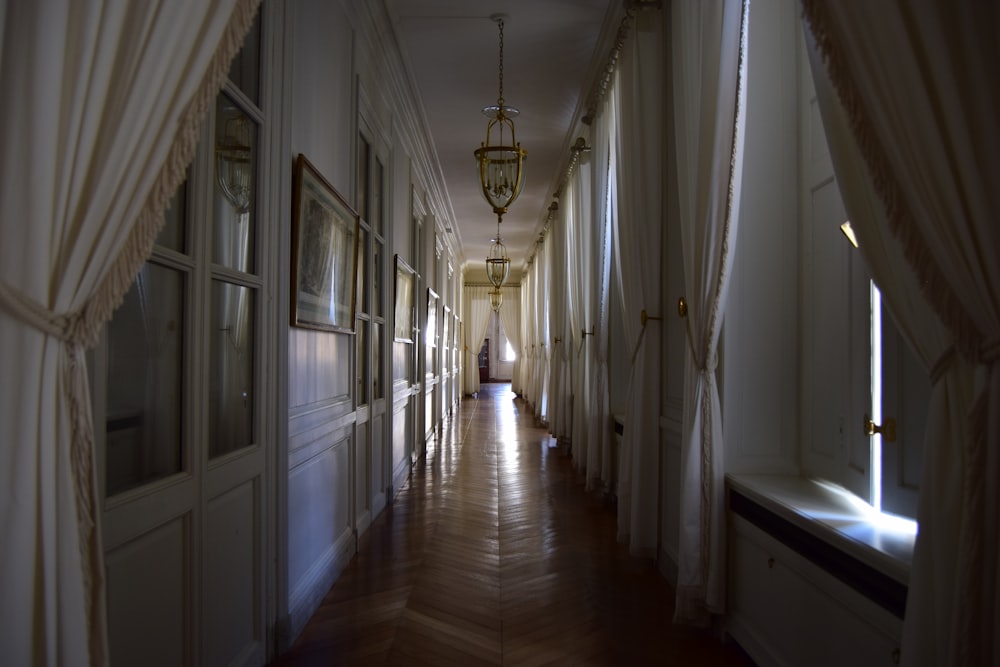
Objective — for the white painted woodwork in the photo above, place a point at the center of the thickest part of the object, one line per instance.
(759, 367)
(233, 557)
(784, 610)
(149, 596)
(906, 395)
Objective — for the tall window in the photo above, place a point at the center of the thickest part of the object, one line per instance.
(370, 330)
(181, 351)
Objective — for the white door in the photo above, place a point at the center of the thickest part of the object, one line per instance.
(371, 470)
(178, 392)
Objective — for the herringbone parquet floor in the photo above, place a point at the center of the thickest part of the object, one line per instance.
(493, 554)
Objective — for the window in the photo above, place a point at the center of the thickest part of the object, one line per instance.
(508, 351)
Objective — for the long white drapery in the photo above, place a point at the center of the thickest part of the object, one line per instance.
(510, 317)
(100, 104)
(581, 287)
(919, 86)
(542, 288)
(709, 40)
(477, 305)
(560, 411)
(931, 599)
(527, 334)
(637, 225)
(599, 466)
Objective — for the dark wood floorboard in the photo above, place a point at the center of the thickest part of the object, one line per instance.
(493, 554)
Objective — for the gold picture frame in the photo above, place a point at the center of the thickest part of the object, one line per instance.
(325, 232)
(403, 321)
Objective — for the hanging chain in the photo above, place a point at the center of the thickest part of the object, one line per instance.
(500, 94)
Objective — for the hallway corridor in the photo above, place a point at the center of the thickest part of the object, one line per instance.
(494, 554)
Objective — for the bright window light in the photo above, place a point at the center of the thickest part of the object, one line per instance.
(508, 353)
(876, 441)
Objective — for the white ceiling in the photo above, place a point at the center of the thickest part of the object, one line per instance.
(552, 51)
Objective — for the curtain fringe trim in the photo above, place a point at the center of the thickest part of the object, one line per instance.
(109, 295)
(933, 283)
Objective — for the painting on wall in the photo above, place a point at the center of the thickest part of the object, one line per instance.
(324, 253)
(432, 316)
(403, 329)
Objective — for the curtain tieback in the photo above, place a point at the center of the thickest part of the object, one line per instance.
(72, 331)
(711, 363)
(942, 365)
(67, 328)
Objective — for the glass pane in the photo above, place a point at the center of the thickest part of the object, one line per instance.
(377, 280)
(145, 353)
(172, 234)
(235, 187)
(364, 150)
(245, 69)
(377, 196)
(361, 336)
(377, 386)
(231, 370)
(362, 295)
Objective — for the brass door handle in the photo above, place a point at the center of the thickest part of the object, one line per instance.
(888, 429)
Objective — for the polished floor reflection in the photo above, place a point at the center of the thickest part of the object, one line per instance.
(493, 553)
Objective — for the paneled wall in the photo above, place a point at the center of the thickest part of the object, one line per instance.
(346, 455)
(319, 529)
(759, 349)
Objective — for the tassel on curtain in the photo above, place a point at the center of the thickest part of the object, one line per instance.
(920, 104)
(709, 40)
(129, 133)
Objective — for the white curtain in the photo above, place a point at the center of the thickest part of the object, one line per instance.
(477, 305)
(709, 43)
(931, 599)
(599, 466)
(527, 332)
(510, 317)
(560, 410)
(637, 226)
(100, 105)
(580, 222)
(543, 289)
(918, 82)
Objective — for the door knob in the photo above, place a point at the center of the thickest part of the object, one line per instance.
(888, 429)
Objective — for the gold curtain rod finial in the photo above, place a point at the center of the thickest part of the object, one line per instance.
(682, 307)
(643, 317)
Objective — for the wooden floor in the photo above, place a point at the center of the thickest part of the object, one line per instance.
(494, 554)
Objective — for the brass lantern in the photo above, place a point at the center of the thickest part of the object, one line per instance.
(233, 161)
(496, 299)
(497, 262)
(500, 157)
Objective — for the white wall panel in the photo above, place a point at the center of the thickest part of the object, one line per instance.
(232, 596)
(318, 509)
(760, 342)
(148, 589)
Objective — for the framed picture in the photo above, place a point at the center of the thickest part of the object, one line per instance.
(324, 253)
(432, 316)
(403, 329)
(445, 326)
